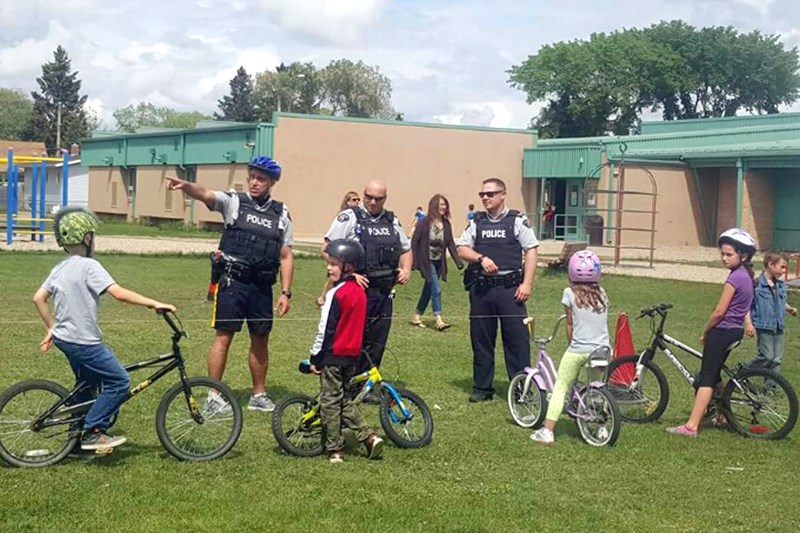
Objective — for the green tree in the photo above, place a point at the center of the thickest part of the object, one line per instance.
(724, 72)
(58, 108)
(238, 106)
(357, 90)
(146, 115)
(602, 85)
(294, 88)
(15, 113)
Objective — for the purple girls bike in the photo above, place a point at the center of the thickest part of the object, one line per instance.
(589, 404)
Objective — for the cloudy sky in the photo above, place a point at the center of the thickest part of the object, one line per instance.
(446, 58)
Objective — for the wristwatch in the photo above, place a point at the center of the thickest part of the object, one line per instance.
(288, 294)
(480, 259)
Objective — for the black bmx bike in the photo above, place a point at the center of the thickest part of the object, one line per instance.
(755, 402)
(198, 419)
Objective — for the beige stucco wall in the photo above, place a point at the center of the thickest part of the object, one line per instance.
(108, 191)
(323, 159)
(757, 206)
(219, 178)
(153, 199)
(678, 218)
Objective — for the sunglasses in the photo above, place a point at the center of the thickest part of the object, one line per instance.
(489, 194)
(370, 198)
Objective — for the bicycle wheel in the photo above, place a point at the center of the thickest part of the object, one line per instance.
(22, 446)
(763, 405)
(190, 440)
(414, 430)
(642, 401)
(598, 417)
(528, 407)
(295, 435)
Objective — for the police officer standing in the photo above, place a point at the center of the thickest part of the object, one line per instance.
(256, 246)
(388, 258)
(498, 284)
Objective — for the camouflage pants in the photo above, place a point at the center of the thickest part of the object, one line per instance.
(336, 407)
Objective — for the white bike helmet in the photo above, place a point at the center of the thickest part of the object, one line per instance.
(739, 239)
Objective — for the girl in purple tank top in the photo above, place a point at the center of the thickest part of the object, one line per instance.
(726, 325)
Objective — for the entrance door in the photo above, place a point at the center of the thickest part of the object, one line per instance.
(571, 222)
(786, 224)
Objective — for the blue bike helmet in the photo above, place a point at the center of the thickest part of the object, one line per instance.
(266, 165)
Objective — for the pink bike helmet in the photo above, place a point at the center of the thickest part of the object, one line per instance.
(584, 267)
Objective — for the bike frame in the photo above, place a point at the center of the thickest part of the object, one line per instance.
(170, 361)
(544, 374)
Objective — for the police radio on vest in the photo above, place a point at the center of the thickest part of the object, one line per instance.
(379, 231)
(261, 221)
(493, 234)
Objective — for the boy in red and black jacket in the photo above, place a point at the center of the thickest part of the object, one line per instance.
(340, 336)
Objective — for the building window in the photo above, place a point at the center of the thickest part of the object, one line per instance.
(168, 199)
(114, 194)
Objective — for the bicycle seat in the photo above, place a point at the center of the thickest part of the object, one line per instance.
(599, 357)
(732, 346)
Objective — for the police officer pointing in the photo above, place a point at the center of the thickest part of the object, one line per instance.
(498, 284)
(388, 258)
(256, 246)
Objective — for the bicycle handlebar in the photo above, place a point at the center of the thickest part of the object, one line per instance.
(660, 309)
(166, 315)
(529, 321)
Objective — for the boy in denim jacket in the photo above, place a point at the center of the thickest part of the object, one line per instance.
(768, 311)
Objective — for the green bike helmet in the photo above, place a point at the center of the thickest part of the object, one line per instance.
(71, 224)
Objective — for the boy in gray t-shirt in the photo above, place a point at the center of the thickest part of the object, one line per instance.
(76, 284)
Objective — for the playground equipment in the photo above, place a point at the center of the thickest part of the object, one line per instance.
(35, 224)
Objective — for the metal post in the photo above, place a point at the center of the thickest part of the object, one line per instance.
(618, 221)
(58, 127)
(10, 198)
(65, 181)
(34, 197)
(42, 199)
(610, 201)
(739, 191)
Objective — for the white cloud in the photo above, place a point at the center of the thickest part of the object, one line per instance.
(26, 57)
(760, 6)
(333, 21)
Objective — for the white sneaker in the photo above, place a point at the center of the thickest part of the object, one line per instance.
(216, 404)
(261, 402)
(543, 436)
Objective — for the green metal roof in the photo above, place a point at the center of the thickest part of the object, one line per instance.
(564, 158)
(229, 143)
(705, 124)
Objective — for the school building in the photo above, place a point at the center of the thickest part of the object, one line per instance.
(676, 183)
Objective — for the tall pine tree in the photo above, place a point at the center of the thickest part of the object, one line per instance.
(238, 105)
(60, 87)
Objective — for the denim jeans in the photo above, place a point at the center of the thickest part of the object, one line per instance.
(432, 291)
(96, 364)
(770, 350)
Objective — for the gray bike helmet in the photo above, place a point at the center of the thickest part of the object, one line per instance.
(346, 251)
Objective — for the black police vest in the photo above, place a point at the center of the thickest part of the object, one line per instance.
(255, 236)
(380, 241)
(496, 240)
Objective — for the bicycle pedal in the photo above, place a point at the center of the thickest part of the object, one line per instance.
(104, 451)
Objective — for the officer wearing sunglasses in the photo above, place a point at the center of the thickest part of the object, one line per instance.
(388, 258)
(499, 284)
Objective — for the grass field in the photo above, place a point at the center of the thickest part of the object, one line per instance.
(481, 473)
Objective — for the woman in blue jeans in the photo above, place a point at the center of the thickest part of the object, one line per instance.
(433, 235)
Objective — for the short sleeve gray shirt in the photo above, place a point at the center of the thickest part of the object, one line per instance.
(589, 327)
(344, 227)
(227, 203)
(76, 284)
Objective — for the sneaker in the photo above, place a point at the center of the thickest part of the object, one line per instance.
(374, 445)
(683, 430)
(336, 457)
(480, 397)
(99, 439)
(543, 436)
(261, 402)
(216, 405)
